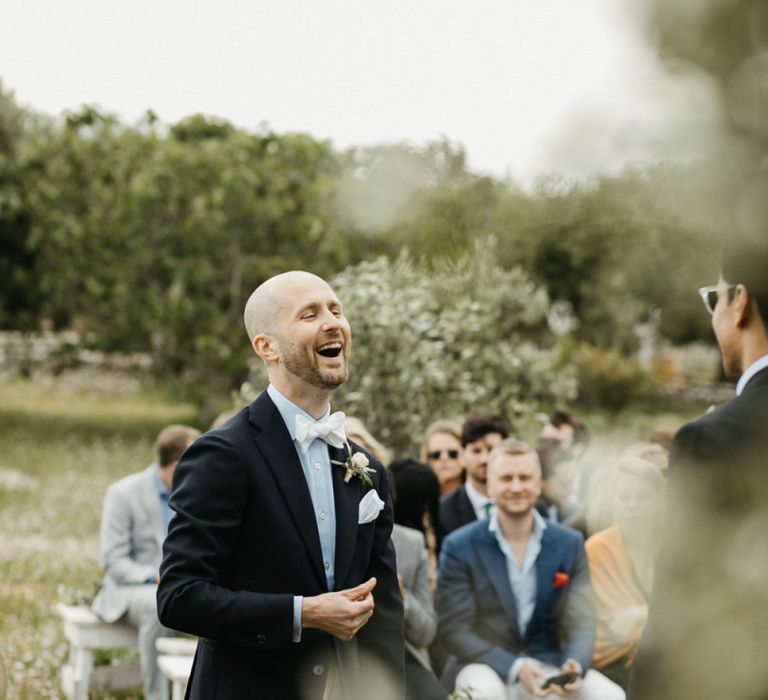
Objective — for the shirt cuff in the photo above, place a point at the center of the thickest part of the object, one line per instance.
(519, 661)
(297, 603)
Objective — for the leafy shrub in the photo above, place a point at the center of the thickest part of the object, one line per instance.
(607, 379)
(431, 344)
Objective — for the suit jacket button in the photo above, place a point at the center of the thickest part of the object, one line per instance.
(318, 669)
(260, 639)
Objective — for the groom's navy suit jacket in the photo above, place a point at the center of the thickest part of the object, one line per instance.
(244, 541)
(477, 610)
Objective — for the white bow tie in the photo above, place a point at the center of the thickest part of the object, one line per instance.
(330, 429)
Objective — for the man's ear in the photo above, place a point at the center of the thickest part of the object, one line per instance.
(266, 348)
(742, 305)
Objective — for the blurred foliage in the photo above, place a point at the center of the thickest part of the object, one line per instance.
(607, 379)
(149, 237)
(713, 35)
(726, 43)
(613, 249)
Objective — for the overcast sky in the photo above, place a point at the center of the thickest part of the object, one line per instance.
(529, 87)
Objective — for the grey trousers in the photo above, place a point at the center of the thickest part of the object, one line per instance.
(142, 614)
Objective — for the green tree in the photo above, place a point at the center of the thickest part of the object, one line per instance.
(152, 241)
(19, 294)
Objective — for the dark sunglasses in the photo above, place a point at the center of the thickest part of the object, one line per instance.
(435, 454)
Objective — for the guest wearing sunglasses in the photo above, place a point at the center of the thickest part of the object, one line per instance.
(442, 451)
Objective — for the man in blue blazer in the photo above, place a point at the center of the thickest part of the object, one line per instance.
(514, 600)
(279, 557)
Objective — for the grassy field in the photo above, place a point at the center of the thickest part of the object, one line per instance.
(60, 447)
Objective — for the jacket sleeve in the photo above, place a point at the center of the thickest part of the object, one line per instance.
(420, 618)
(209, 499)
(457, 612)
(381, 640)
(116, 546)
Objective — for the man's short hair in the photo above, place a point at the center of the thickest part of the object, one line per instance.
(514, 447)
(744, 261)
(581, 434)
(479, 424)
(171, 443)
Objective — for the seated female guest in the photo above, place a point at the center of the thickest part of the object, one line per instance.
(442, 451)
(621, 564)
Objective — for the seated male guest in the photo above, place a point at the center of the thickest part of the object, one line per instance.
(514, 600)
(479, 434)
(559, 502)
(133, 526)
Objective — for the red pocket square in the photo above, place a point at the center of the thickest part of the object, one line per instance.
(561, 580)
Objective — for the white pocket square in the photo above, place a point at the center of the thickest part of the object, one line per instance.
(370, 507)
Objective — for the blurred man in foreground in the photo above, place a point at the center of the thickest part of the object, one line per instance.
(708, 628)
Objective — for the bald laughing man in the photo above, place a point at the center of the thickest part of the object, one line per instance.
(282, 565)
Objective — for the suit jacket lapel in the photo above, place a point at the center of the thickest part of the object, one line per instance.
(466, 509)
(274, 442)
(346, 497)
(546, 568)
(759, 379)
(496, 568)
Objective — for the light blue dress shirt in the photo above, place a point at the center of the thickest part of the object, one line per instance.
(758, 365)
(162, 492)
(316, 465)
(522, 579)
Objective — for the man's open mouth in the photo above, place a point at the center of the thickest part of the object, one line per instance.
(330, 349)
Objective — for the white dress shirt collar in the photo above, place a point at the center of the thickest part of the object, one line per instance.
(478, 500)
(752, 370)
(289, 410)
(539, 525)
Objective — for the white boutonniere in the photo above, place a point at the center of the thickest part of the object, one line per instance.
(356, 464)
